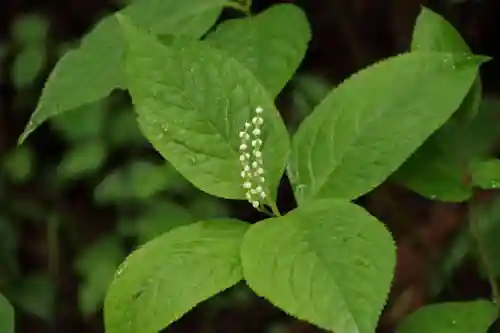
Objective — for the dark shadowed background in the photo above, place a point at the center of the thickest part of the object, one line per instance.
(86, 188)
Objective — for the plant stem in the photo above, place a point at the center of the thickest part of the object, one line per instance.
(274, 208)
(485, 260)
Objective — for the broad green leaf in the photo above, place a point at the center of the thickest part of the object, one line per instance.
(438, 169)
(349, 145)
(441, 168)
(458, 317)
(170, 275)
(27, 65)
(95, 68)
(82, 160)
(329, 263)
(271, 44)
(138, 180)
(486, 174)
(192, 102)
(30, 29)
(96, 265)
(6, 316)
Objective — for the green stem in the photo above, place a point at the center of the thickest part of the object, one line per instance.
(274, 208)
(483, 255)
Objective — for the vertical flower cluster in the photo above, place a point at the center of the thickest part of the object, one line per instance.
(251, 159)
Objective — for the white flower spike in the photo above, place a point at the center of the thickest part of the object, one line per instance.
(253, 182)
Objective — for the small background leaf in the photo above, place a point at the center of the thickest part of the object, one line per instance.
(137, 181)
(97, 266)
(27, 65)
(30, 29)
(463, 317)
(329, 263)
(82, 159)
(168, 276)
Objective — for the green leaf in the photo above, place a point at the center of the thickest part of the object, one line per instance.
(137, 181)
(6, 316)
(30, 29)
(27, 65)
(170, 275)
(192, 102)
(82, 160)
(329, 263)
(266, 43)
(458, 317)
(349, 145)
(97, 265)
(92, 71)
(433, 33)
(486, 174)
(441, 167)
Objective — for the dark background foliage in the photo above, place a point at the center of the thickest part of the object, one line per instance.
(49, 217)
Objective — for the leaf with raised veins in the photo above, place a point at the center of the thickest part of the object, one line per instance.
(192, 102)
(271, 44)
(170, 275)
(370, 124)
(457, 317)
(439, 169)
(329, 263)
(95, 68)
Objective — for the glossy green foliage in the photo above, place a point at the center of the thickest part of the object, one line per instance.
(329, 263)
(94, 69)
(171, 274)
(349, 145)
(192, 102)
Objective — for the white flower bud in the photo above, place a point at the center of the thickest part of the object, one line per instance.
(243, 147)
(255, 204)
(257, 153)
(259, 110)
(260, 171)
(247, 185)
(256, 132)
(255, 165)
